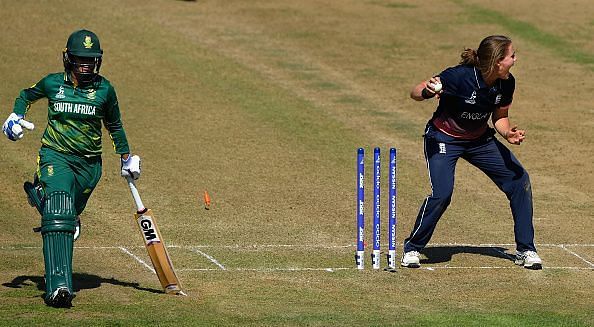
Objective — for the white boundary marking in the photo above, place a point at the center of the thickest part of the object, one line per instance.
(209, 257)
(137, 259)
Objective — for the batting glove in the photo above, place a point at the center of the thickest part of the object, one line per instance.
(131, 167)
(13, 127)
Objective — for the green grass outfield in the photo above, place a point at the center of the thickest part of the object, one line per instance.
(264, 104)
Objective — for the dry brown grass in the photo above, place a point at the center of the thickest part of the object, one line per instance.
(263, 103)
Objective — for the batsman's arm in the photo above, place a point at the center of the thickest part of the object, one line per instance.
(113, 123)
(28, 96)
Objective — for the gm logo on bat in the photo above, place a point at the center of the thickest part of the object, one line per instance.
(146, 226)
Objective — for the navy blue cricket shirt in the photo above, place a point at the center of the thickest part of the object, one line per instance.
(467, 101)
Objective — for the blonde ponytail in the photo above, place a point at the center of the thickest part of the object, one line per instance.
(469, 57)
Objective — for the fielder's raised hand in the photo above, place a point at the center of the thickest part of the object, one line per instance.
(130, 166)
(515, 135)
(13, 127)
(427, 89)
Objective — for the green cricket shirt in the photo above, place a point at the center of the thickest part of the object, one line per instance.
(75, 114)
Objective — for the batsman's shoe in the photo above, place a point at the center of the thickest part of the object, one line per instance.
(77, 229)
(60, 298)
(35, 195)
(411, 259)
(528, 259)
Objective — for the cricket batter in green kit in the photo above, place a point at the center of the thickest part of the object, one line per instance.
(69, 163)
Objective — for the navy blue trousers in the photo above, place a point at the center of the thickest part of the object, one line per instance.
(491, 157)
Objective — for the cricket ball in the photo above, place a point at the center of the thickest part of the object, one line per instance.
(436, 87)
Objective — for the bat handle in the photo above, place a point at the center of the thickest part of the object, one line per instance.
(139, 206)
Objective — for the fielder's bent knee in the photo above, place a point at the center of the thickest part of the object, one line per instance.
(523, 183)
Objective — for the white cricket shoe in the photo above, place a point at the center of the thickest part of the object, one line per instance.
(528, 259)
(410, 259)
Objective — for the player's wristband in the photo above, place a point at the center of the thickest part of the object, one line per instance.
(426, 94)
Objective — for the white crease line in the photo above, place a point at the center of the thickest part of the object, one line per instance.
(577, 255)
(137, 259)
(289, 246)
(268, 269)
(504, 244)
(76, 247)
(194, 248)
(500, 267)
(261, 246)
(291, 269)
(433, 268)
(213, 260)
(315, 246)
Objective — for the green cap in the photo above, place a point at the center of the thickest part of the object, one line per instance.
(84, 43)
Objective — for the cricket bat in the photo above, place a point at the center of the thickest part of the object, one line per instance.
(154, 244)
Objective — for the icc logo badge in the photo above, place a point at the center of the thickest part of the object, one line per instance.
(60, 94)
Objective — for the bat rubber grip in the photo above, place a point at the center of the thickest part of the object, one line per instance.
(139, 206)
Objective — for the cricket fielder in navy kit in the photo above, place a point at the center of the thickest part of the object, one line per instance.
(479, 88)
(69, 163)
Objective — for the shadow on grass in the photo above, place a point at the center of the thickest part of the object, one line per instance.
(440, 254)
(79, 281)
